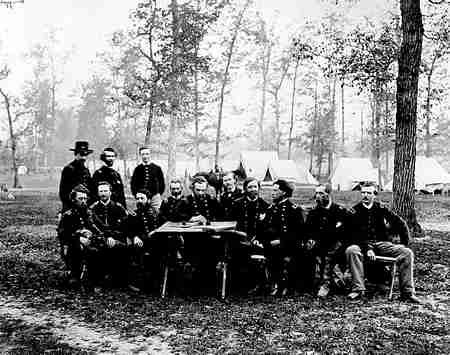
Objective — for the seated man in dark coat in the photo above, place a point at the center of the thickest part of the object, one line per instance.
(370, 238)
(230, 194)
(249, 212)
(175, 208)
(146, 251)
(79, 238)
(284, 234)
(325, 226)
(110, 218)
(110, 175)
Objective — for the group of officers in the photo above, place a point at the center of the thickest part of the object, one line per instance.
(275, 250)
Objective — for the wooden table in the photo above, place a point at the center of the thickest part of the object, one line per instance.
(220, 230)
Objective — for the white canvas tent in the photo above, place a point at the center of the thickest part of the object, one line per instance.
(289, 171)
(349, 172)
(255, 163)
(429, 175)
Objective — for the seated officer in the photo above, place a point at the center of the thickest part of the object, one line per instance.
(110, 217)
(230, 194)
(79, 237)
(249, 212)
(325, 225)
(141, 226)
(202, 250)
(370, 238)
(175, 207)
(283, 234)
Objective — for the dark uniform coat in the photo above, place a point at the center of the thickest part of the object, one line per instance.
(174, 210)
(326, 226)
(74, 220)
(143, 221)
(370, 225)
(148, 177)
(226, 201)
(110, 219)
(206, 206)
(73, 174)
(284, 221)
(112, 176)
(249, 215)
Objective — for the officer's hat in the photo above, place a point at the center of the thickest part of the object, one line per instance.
(82, 147)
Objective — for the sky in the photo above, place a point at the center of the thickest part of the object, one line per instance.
(84, 27)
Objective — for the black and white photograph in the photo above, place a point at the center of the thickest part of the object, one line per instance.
(224, 177)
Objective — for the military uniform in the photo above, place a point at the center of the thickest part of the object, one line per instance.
(284, 221)
(206, 206)
(226, 201)
(110, 175)
(73, 174)
(328, 227)
(151, 178)
(174, 210)
(369, 232)
(71, 226)
(110, 219)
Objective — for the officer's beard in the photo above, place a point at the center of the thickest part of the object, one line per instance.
(252, 195)
(323, 202)
(109, 163)
(176, 194)
(140, 206)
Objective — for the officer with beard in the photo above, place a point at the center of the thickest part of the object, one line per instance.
(145, 250)
(230, 194)
(110, 218)
(110, 175)
(283, 236)
(175, 207)
(325, 229)
(79, 238)
(249, 212)
(74, 174)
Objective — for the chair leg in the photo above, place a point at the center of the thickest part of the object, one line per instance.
(224, 280)
(164, 285)
(394, 272)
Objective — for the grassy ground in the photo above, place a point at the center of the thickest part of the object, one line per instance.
(31, 274)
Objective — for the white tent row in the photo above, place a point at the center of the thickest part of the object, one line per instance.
(350, 172)
(265, 166)
(429, 175)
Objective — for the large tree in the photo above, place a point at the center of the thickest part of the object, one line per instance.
(406, 116)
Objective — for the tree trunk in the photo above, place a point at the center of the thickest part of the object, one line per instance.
(12, 137)
(149, 125)
(230, 53)
(406, 116)
(428, 148)
(314, 130)
(175, 99)
(276, 99)
(332, 128)
(343, 119)
(291, 123)
(196, 122)
(265, 72)
(377, 146)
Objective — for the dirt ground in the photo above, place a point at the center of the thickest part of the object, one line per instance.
(39, 314)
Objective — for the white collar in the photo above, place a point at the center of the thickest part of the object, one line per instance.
(368, 206)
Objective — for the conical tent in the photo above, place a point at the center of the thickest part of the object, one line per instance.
(429, 175)
(350, 172)
(290, 171)
(255, 163)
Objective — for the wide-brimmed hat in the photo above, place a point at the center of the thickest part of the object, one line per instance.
(81, 147)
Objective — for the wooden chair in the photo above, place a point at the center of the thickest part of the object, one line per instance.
(392, 263)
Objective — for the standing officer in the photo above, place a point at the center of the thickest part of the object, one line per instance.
(110, 175)
(110, 217)
(79, 237)
(148, 176)
(284, 229)
(325, 229)
(75, 173)
(370, 238)
(230, 194)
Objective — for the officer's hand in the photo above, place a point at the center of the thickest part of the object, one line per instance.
(138, 242)
(310, 244)
(86, 233)
(198, 218)
(111, 242)
(65, 250)
(85, 241)
(275, 242)
(151, 233)
(371, 255)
